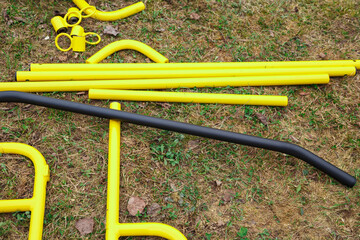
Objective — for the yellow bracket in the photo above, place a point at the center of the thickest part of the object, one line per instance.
(36, 204)
(111, 16)
(114, 229)
(127, 44)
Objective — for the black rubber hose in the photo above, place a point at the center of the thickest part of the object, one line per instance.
(283, 147)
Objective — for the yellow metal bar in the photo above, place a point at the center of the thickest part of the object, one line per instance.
(164, 83)
(189, 66)
(36, 204)
(163, 74)
(114, 229)
(114, 15)
(127, 44)
(188, 97)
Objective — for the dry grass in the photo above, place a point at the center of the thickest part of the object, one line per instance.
(275, 196)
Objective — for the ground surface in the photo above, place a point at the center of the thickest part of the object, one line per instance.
(206, 189)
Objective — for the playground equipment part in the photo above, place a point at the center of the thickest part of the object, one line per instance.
(127, 44)
(231, 137)
(188, 97)
(35, 204)
(77, 39)
(74, 15)
(114, 15)
(164, 83)
(35, 67)
(114, 229)
(153, 74)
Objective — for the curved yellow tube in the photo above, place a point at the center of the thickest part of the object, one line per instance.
(188, 97)
(127, 44)
(114, 229)
(114, 15)
(166, 74)
(36, 204)
(188, 66)
(68, 86)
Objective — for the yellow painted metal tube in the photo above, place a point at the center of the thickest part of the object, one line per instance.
(164, 74)
(188, 97)
(36, 204)
(114, 229)
(188, 66)
(68, 86)
(114, 15)
(127, 44)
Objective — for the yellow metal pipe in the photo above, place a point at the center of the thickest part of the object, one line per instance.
(188, 66)
(36, 204)
(164, 74)
(149, 229)
(127, 44)
(114, 229)
(188, 97)
(114, 15)
(68, 86)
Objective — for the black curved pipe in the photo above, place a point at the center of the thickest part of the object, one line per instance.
(283, 147)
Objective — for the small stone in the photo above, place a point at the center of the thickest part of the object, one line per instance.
(135, 205)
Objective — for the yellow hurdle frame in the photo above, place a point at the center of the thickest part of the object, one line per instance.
(35, 204)
(114, 229)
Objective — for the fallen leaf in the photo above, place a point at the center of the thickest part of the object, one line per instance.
(193, 144)
(85, 226)
(228, 196)
(20, 19)
(7, 18)
(194, 16)
(153, 210)
(81, 93)
(165, 105)
(294, 138)
(304, 93)
(262, 118)
(110, 30)
(135, 205)
(62, 58)
(322, 56)
(173, 187)
(218, 183)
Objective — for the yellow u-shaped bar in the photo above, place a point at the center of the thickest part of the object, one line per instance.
(127, 44)
(111, 16)
(36, 204)
(114, 229)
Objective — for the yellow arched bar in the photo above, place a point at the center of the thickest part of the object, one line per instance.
(111, 16)
(114, 229)
(127, 44)
(68, 86)
(188, 97)
(36, 204)
(165, 74)
(188, 66)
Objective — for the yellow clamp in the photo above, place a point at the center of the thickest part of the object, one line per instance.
(36, 204)
(77, 38)
(72, 18)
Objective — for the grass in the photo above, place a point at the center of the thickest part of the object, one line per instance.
(268, 195)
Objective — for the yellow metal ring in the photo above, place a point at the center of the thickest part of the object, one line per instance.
(90, 14)
(57, 45)
(78, 14)
(92, 33)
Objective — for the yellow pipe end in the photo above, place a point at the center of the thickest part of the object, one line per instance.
(357, 64)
